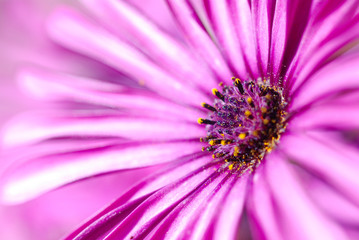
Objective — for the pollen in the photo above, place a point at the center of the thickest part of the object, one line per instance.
(244, 122)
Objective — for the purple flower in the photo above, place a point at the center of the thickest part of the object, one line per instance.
(278, 82)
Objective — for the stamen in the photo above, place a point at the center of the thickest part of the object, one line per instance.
(218, 94)
(245, 123)
(239, 85)
(205, 121)
(209, 107)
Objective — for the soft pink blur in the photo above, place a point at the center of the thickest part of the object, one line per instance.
(23, 43)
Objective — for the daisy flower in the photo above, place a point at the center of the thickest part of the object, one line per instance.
(242, 107)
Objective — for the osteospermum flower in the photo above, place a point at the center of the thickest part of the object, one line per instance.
(243, 110)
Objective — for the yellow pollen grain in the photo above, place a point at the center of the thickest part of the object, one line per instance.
(230, 167)
(200, 120)
(264, 110)
(269, 149)
(249, 100)
(213, 156)
(242, 136)
(236, 151)
(265, 121)
(203, 104)
(203, 149)
(247, 113)
(214, 91)
(223, 142)
(212, 142)
(222, 134)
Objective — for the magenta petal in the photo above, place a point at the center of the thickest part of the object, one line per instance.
(230, 211)
(329, 115)
(78, 33)
(41, 127)
(177, 223)
(262, 14)
(144, 218)
(216, 216)
(168, 175)
(328, 30)
(245, 32)
(63, 87)
(261, 208)
(36, 176)
(221, 19)
(326, 197)
(298, 216)
(334, 161)
(199, 39)
(157, 44)
(341, 74)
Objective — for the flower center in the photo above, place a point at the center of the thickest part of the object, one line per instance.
(244, 123)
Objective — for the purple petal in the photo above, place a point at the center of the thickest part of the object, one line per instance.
(334, 161)
(32, 177)
(220, 18)
(216, 216)
(230, 211)
(298, 217)
(199, 39)
(78, 33)
(262, 14)
(261, 208)
(337, 76)
(63, 87)
(245, 32)
(148, 213)
(177, 224)
(331, 27)
(168, 175)
(289, 21)
(167, 52)
(329, 115)
(41, 127)
(326, 197)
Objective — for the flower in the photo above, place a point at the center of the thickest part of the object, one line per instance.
(272, 152)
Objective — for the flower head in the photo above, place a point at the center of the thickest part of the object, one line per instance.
(277, 81)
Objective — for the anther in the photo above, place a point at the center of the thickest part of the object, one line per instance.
(205, 121)
(209, 107)
(217, 94)
(214, 142)
(239, 85)
(250, 102)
